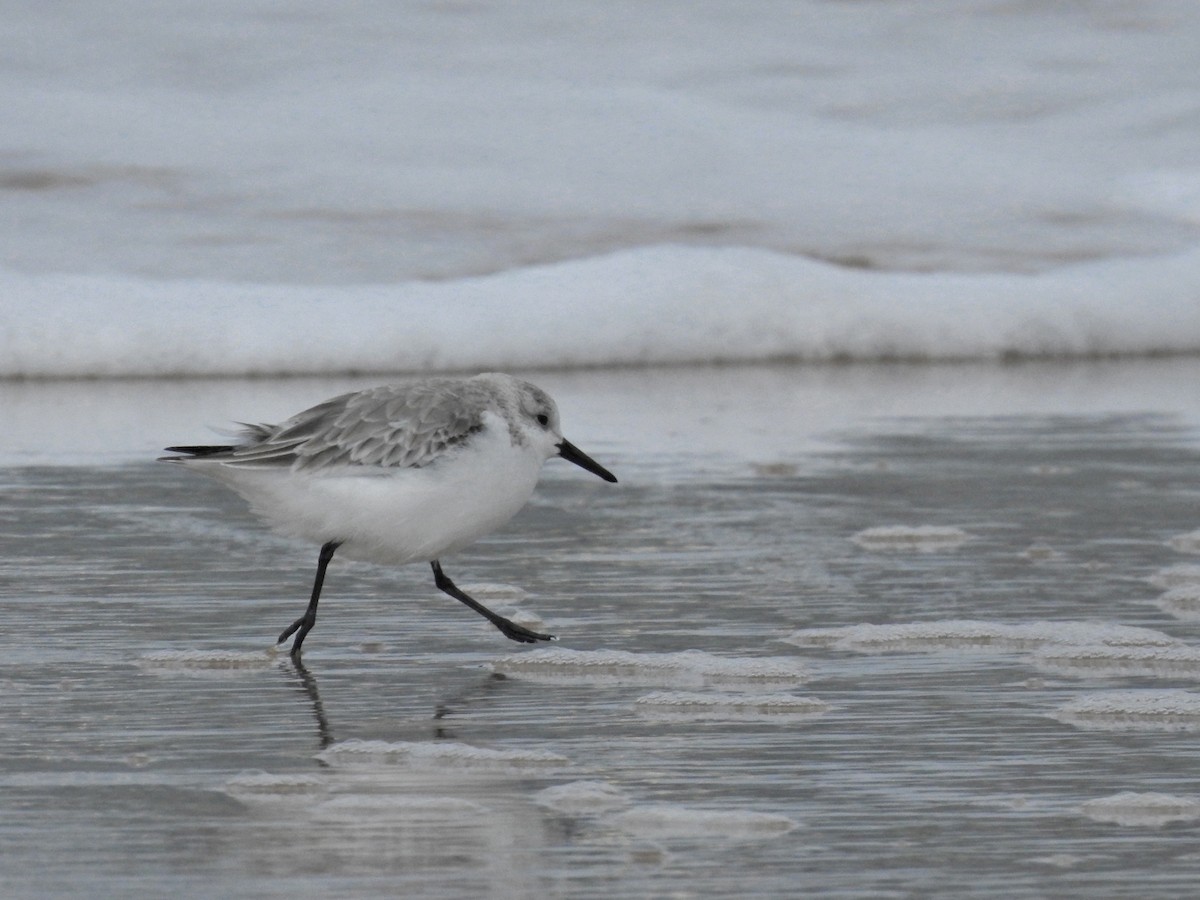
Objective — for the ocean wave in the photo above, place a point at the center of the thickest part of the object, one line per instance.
(653, 305)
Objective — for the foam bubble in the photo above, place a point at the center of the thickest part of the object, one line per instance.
(582, 798)
(1186, 543)
(910, 538)
(439, 755)
(689, 668)
(209, 661)
(1099, 660)
(974, 635)
(684, 706)
(1185, 575)
(1182, 602)
(1148, 710)
(666, 822)
(1149, 809)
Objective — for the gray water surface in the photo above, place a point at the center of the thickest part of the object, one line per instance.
(151, 745)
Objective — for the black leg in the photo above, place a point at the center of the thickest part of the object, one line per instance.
(510, 629)
(303, 625)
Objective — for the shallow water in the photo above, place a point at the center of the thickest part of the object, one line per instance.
(990, 746)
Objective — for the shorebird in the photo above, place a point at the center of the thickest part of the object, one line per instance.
(397, 474)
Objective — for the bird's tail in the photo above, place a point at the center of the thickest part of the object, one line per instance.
(249, 433)
(197, 452)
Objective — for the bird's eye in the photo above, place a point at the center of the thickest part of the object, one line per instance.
(543, 419)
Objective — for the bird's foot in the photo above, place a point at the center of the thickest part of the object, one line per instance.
(303, 625)
(520, 633)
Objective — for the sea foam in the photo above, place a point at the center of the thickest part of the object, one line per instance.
(911, 538)
(688, 668)
(976, 635)
(684, 706)
(1135, 710)
(742, 305)
(1142, 809)
(1105, 660)
(209, 662)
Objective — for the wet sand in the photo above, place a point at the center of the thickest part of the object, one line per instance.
(718, 717)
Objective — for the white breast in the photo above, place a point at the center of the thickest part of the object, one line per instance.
(397, 516)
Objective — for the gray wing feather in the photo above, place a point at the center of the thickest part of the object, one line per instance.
(397, 426)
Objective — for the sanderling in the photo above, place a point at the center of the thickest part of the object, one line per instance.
(397, 474)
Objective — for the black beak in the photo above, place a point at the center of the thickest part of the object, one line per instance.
(571, 453)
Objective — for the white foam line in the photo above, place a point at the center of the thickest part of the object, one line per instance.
(626, 311)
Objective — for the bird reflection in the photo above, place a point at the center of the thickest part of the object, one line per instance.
(308, 683)
(465, 697)
(443, 710)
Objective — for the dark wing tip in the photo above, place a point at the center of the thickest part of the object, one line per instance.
(196, 452)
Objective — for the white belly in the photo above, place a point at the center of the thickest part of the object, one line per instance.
(395, 516)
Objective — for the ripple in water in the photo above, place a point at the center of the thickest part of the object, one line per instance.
(583, 798)
(670, 822)
(412, 810)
